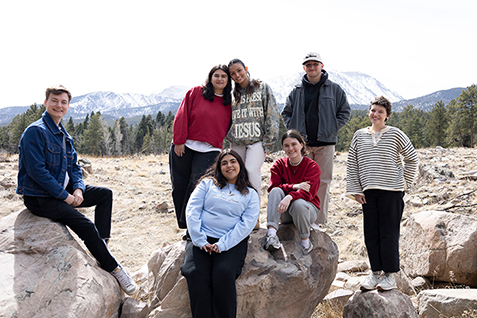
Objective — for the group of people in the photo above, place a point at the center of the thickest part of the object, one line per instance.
(216, 192)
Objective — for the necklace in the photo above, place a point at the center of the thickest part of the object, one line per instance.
(228, 187)
(296, 164)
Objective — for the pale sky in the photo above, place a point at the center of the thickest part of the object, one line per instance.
(413, 47)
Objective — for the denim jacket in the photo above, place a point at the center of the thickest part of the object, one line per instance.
(43, 162)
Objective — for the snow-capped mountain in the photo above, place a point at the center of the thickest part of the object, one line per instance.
(360, 88)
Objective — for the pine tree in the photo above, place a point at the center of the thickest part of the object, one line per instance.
(468, 103)
(438, 125)
(93, 136)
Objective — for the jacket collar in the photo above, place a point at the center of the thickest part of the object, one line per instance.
(52, 125)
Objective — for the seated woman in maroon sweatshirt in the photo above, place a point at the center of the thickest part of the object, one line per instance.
(293, 188)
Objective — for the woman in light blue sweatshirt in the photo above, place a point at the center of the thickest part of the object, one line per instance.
(221, 213)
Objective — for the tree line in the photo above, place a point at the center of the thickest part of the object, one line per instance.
(451, 125)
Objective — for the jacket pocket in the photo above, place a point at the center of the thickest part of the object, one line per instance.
(53, 154)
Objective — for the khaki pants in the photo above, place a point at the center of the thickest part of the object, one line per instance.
(323, 156)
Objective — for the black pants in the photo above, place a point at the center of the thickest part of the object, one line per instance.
(211, 279)
(91, 234)
(185, 172)
(382, 219)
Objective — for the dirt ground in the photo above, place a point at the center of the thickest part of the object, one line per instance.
(144, 218)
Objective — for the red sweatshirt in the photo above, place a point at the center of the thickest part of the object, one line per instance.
(284, 176)
(200, 119)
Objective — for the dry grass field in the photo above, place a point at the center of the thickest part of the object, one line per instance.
(142, 189)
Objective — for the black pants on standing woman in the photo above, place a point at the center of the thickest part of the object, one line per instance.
(185, 172)
(211, 279)
(382, 220)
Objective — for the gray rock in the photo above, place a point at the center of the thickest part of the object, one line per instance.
(266, 278)
(440, 245)
(353, 266)
(436, 303)
(45, 272)
(379, 304)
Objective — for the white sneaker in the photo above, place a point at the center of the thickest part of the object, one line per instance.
(387, 282)
(308, 249)
(125, 281)
(273, 243)
(373, 279)
(318, 227)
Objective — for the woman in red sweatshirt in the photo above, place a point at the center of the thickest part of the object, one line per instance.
(293, 188)
(200, 125)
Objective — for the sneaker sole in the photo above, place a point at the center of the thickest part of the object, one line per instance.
(272, 248)
(385, 289)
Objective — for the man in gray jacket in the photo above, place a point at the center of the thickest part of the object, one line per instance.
(318, 109)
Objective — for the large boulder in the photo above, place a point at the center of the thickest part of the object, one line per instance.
(440, 245)
(46, 273)
(437, 303)
(284, 283)
(379, 304)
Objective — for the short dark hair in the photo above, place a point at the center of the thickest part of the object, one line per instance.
(215, 173)
(57, 90)
(383, 101)
(295, 134)
(208, 89)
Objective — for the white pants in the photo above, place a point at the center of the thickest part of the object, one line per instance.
(253, 157)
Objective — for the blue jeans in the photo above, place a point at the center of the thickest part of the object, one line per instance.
(91, 233)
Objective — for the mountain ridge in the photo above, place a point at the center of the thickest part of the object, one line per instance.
(360, 89)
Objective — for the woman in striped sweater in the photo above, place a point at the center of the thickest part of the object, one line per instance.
(381, 165)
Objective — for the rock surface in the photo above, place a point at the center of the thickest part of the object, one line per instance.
(46, 273)
(440, 245)
(436, 303)
(284, 283)
(379, 304)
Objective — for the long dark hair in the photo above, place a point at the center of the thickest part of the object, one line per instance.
(208, 88)
(295, 134)
(215, 173)
(252, 83)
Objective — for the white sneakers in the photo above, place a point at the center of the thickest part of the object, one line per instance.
(125, 281)
(375, 281)
(273, 243)
(318, 227)
(387, 282)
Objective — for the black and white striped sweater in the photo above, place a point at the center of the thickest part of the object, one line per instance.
(387, 162)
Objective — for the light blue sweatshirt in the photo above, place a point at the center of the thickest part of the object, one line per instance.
(224, 214)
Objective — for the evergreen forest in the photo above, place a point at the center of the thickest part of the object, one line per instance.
(451, 125)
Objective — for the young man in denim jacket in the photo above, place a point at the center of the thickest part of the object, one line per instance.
(51, 182)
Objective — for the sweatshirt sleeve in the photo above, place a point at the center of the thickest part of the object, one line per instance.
(312, 175)
(353, 185)
(180, 127)
(277, 177)
(244, 226)
(410, 159)
(194, 210)
(271, 119)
